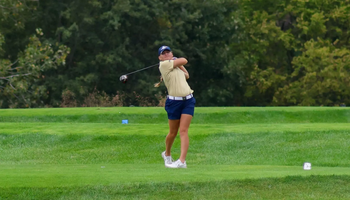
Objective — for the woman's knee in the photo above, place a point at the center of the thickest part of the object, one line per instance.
(173, 133)
(183, 132)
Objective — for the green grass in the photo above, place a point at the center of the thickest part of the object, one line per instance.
(324, 148)
(156, 115)
(235, 153)
(290, 187)
(59, 175)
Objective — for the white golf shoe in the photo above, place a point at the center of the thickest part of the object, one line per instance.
(177, 164)
(167, 159)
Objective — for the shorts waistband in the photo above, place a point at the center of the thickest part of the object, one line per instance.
(180, 98)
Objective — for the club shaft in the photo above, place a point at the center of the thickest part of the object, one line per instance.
(142, 69)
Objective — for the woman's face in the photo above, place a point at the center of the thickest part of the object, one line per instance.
(166, 55)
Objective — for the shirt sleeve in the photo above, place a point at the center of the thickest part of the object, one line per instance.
(166, 66)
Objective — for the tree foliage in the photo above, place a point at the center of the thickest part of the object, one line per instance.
(21, 82)
(278, 49)
(22, 76)
(241, 53)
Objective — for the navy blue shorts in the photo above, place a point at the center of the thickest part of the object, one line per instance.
(175, 108)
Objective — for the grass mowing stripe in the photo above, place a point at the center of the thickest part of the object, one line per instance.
(158, 115)
(79, 175)
(162, 129)
(309, 187)
(325, 148)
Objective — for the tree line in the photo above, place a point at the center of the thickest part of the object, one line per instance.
(241, 52)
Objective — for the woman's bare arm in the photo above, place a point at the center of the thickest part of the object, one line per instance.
(187, 75)
(180, 61)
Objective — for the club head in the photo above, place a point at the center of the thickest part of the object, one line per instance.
(123, 78)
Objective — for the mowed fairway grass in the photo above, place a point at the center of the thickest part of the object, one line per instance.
(235, 153)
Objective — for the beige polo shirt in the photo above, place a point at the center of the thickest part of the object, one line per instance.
(174, 79)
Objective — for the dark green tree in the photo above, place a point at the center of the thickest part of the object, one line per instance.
(275, 40)
(22, 68)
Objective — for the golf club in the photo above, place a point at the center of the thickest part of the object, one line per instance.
(124, 77)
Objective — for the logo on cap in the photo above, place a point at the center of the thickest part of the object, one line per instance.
(163, 48)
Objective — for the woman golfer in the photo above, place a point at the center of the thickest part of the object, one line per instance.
(179, 104)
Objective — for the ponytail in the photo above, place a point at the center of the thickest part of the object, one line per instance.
(160, 81)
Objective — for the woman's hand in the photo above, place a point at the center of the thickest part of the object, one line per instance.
(187, 75)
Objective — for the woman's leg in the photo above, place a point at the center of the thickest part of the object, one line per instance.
(173, 129)
(185, 122)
